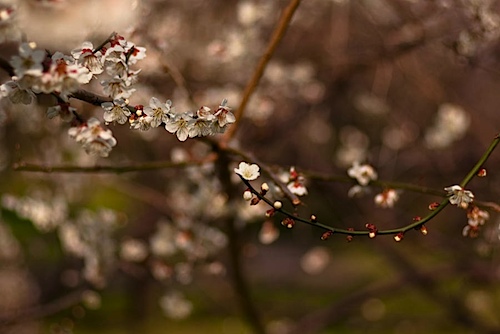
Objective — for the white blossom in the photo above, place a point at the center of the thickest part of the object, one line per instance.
(159, 112)
(362, 173)
(459, 196)
(116, 111)
(248, 171)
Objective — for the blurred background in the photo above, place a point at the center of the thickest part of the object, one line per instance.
(410, 87)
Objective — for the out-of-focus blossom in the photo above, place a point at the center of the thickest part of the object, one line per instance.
(315, 260)
(63, 110)
(94, 139)
(175, 305)
(451, 124)
(29, 61)
(362, 173)
(16, 94)
(133, 250)
(387, 198)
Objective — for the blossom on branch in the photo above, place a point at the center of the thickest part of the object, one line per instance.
(362, 173)
(387, 198)
(116, 111)
(247, 171)
(459, 196)
(159, 112)
(86, 57)
(94, 139)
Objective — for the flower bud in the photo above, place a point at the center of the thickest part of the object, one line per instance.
(247, 195)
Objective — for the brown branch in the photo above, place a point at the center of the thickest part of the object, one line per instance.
(41, 311)
(143, 167)
(238, 278)
(278, 34)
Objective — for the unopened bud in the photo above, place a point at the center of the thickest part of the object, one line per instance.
(482, 172)
(247, 195)
(350, 237)
(326, 235)
(433, 206)
(314, 218)
(270, 213)
(423, 230)
(398, 237)
(264, 188)
(255, 201)
(288, 222)
(372, 230)
(277, 205)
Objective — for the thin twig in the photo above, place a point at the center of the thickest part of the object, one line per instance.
(41, 311)
(416, 224)
(146, 166)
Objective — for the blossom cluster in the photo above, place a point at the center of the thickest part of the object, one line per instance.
(475, 216)
(203, 122)
(93, 137)
(36, 71)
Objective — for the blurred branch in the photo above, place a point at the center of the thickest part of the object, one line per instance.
(142, 167)
(240, 284)
(278, 34)
(41, 311)
(429, 286)
(317, 321)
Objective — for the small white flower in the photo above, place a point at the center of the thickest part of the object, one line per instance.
(117, 88)
(88, 58)
(29, 61)
(116, 111)
(180, 125)
(387, 198)
(459, 196)
(224, 115)
(159, 112)
(247, 171)
(297, 187)
(362, 173)
(93, 138)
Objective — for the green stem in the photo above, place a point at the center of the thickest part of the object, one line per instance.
(415, 225)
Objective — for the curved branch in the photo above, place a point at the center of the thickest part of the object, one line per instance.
(278, 34)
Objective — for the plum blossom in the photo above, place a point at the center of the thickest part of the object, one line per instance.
(94, 139)
(224, 115)
(475, 219)
(180, 125)
(116, 111)
(248, 171)
(29, 61)
(387, 198)
(158, 112)
(117, 88)
(362, 173)
(459, 196)
(86, 57)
